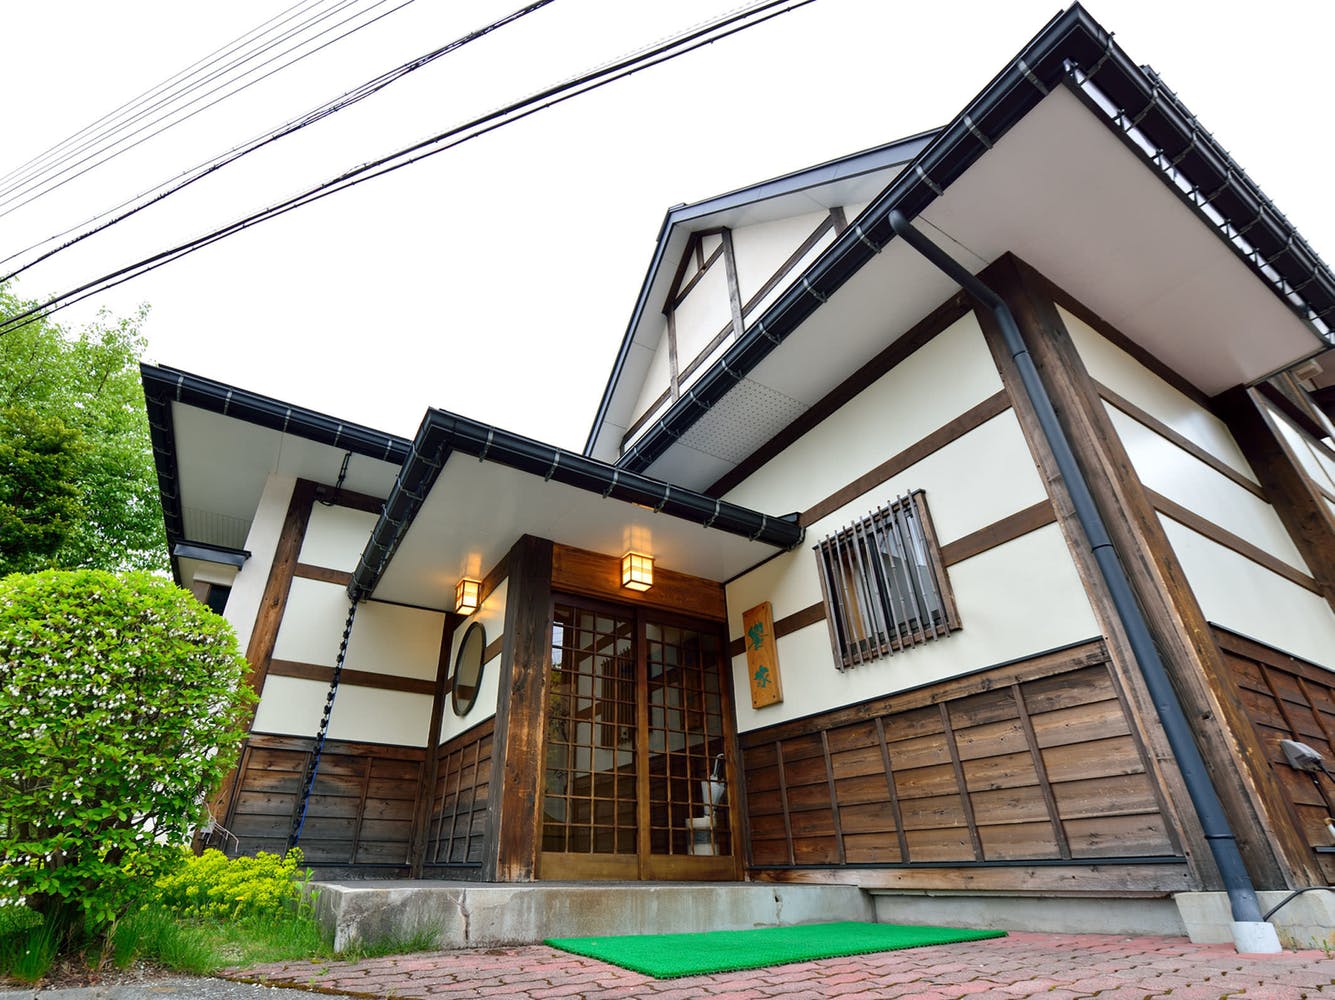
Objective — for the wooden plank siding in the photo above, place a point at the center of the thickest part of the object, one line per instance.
(458, 826)
(1029, 762)
(1289, 699)
(361, 808)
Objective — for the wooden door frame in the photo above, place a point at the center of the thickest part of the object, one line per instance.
(601, 866)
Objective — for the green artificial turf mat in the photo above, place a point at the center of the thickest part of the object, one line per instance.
(664, 956)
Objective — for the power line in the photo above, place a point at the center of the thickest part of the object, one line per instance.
(136, 101)
(204, 169)
(676, 46)
(165, 95)
(21, 189)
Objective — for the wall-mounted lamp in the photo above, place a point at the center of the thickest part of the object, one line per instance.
(637, 571)
(466, 596)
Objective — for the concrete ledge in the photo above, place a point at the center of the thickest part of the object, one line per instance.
(480, 915)
(1306, 921)
(1052, 914)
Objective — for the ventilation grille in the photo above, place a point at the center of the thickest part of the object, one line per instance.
(748, 416)
(214, 528)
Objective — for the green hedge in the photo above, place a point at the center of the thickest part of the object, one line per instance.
(122, 701)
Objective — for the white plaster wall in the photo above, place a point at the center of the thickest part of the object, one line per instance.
(762, 248)
(386, 638)
(702, 314)
(492, 616)
(656, 379)
(336, 536)
(243, 604)
(1235, 592)
(1232, 590)
(1318, 469)
(801, 265)
(855, 208)
(1126, 376)
(994, 454)
(1167, 469)
(950, 374)
(293, 706)
(1014, 600)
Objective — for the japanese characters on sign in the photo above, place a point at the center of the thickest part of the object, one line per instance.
(762, 655)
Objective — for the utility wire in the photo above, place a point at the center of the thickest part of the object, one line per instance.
(163, 95)
(136, 101)
(204, 169)
(49, 187)
(679, 45)
(118, 121)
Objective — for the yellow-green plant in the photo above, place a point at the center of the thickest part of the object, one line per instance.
(212, 885)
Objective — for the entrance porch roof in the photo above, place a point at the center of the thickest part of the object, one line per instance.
(468, 490)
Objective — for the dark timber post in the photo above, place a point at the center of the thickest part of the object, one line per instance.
(514, 805)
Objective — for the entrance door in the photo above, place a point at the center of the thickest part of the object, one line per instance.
(635, 783)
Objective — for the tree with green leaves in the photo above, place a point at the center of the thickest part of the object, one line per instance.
(78, 487)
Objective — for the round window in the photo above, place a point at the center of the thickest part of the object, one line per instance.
(468, 669)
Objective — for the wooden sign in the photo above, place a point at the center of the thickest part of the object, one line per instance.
(762, 655)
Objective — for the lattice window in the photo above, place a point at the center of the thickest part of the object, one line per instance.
(884, 584)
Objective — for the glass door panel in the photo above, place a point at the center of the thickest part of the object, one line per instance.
(689, 812)
(636, 748)
(589, 798)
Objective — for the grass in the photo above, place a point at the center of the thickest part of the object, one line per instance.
(27, 945)
(194, 945)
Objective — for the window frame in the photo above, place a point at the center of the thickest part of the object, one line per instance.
(852, 595)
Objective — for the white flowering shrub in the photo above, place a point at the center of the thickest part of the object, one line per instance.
(122, 702)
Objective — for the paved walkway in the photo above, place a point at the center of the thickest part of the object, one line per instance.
(1050, 966)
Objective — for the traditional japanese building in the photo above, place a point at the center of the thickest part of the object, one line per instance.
(958, 522)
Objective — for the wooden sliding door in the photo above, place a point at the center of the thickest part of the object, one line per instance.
(638, 729)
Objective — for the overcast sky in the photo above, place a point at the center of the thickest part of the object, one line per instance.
(497, 279)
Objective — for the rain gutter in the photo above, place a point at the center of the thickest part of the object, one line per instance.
(164, 386)
(443, 433)
(1073, 51)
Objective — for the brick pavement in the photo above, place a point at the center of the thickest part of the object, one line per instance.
(1051, 966)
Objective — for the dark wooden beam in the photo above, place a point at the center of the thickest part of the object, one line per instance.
(734, 291)
(349, 498)
(1016, 525)
(579, 571)
(352, 678)
(514, 807)
(274, 602)
(322, 573)
(264, 633)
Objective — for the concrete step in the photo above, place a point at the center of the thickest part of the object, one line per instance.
(484, 915)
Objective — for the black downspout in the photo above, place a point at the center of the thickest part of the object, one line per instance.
(1218, 834)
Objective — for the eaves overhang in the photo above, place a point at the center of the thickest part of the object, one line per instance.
(443, 435)
(1073, 52)
(165, 387)
(694, 216)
